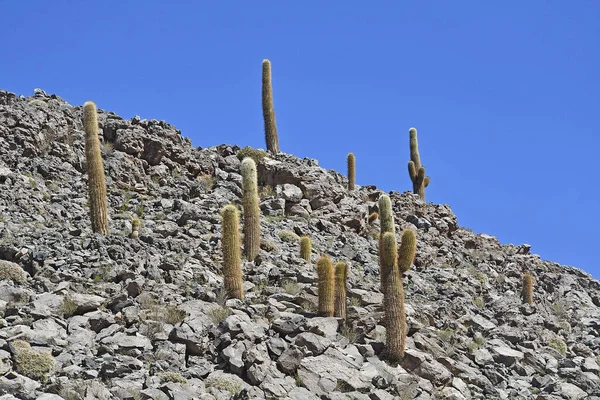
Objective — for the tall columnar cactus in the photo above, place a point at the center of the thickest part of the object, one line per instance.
(415, 170)
(393, 299)
(95, 169)
(351, 171)
(251, 209)
(341, 274)
(135, 228)
(386, 224)
(305, 248)
(268, 109)
(386, 216)
(326, 286)
(230, 245)
(527, 292)
(407, 251)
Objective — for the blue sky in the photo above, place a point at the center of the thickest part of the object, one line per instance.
(504, 95)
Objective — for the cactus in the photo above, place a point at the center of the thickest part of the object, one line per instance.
(341, 274)
(527, 292)
(415, 170)
(372, 217)
(351, 171)
(135, 228)
(386, 217)
(251, 209)
(326, 286)
(305, 248)
(230, 245)
(407, 251)
(393, 299)
(95, 170)
(268, 110)
(386, 224)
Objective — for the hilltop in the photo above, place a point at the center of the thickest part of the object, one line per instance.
(87, 316)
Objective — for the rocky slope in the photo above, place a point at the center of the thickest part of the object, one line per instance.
(93, 317)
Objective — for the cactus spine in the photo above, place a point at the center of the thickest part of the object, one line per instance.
(268, 109)
(135, 228)
(351, 171)
(95, 170)
(326, 286)
(415, 170)
(305, 248)
(341, 274)
(527, 292)
(386, 224)
(393, 299)
(251, 209)
(230, 245)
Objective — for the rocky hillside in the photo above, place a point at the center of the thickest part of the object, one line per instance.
(89, 317)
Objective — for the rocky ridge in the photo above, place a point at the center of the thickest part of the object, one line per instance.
(88, 317)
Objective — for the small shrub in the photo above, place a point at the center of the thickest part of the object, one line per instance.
(479, 302)
(256, 154)
(139, 210)
(12, 272)
(266, 191)
(223, 383)
(559, 345)
(288, 236)
(268, 246)
(477, 344)
(309, 306)
(355, 302)
(166, 313)
(207, 182)
(292, 287)
(446, 335)
(174, 377)
(108, 148)
(68, 307)
(33, 364)
(349, 333)
(559, 309)
(218, 314)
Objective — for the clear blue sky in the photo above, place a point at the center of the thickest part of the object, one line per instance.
(504, 94)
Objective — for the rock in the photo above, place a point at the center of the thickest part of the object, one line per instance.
(506, 356)
(314, 344)
(289, 360)
(291, 193)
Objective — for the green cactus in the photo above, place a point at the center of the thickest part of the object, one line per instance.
(407, 251)
(373, 217)
(251, 209)
(305, 248)
(351, 171)
(268, 109)
(135, 228)
(386, 224)
(341, 275)
(95, 169)
(386, 216)
(230, 245)
(326, 286)
(415, 170)
(393, 300)
(527, 292)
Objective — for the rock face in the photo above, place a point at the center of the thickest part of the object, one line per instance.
(146, 319)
